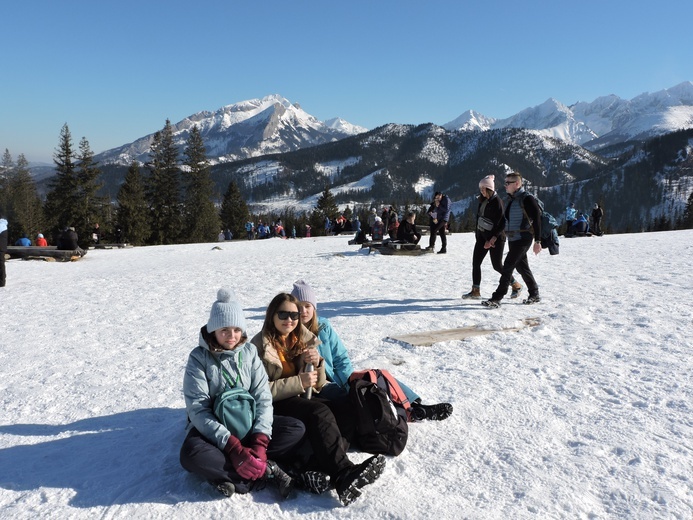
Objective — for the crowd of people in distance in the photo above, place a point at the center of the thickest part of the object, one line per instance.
(296, 368)
(273, 229)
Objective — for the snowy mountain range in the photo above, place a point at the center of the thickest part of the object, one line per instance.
(605, 121)
(275, 125)
(246, 129)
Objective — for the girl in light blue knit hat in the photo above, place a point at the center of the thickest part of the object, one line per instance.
(224, 358)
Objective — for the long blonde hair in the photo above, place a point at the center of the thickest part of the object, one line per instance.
(313, 324)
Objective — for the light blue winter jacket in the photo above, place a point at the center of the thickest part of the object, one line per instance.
(203, 381)
(337, 363)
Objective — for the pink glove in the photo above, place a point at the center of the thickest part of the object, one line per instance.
(244, 463)
(258, 446)
(253, 469)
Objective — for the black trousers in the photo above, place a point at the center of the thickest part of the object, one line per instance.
(202, 457)
(3, 274)
(516, 260)
(438, 229)
(328, 446)
(496, 254)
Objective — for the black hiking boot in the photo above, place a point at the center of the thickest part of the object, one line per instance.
(532, 299)
(315, 482)
(353, 479)
(491, 304)
(431, 412)
(225, 488)
(277, 475)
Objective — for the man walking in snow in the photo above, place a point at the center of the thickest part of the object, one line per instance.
(523, 223)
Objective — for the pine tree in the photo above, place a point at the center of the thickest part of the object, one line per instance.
(6, 168)
(201, 221)
(234, 211)
(25, 212)
(61, 199)
(89, 203)
(133, 212)
(325, 207)
(163, 188)
(688, 213)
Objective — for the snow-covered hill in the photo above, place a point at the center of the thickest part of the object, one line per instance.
(587, 416)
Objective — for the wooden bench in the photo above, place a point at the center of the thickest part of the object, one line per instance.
(45, 253)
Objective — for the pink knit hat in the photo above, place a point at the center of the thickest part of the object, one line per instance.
(488, 182)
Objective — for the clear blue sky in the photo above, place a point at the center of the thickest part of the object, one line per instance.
(114, 71)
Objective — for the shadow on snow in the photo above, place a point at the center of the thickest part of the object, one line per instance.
(126, 458)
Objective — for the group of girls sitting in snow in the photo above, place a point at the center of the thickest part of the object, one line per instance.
(291, 441)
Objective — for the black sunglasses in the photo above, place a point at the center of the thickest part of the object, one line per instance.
(285, 315)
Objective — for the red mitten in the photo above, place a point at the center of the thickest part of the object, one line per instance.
(258, 445)
(246, 465)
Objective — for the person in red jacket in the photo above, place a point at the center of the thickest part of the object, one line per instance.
(41, 241)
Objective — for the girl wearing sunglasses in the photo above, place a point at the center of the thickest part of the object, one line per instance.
(286, 348)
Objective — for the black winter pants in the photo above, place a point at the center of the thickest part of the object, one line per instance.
(496, 254)
(516, 260)
(322, 432)
(200, 456)
(438, 229)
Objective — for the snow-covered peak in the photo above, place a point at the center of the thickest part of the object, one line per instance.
(337, 123)
(470, 120)
(271, 124)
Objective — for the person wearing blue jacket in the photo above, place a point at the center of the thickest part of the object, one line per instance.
(337, 364)
(231, 464)
(24, 241)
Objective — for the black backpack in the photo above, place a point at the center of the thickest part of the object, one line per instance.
(549, 225)
(381, 427)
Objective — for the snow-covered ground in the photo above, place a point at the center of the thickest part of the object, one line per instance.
(589, 415)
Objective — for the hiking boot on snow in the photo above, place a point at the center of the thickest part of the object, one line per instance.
(491, 304)
(315, 482)
(532, 299)
(432, 412)
(474, 294)
(225, 488)
(278, 476)
(351, 480)
(442, 251)
(516, 289)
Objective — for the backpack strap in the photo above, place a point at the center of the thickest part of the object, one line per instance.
(368, 375)
(230, 382)
(395, 390)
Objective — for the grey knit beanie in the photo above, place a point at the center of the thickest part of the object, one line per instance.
(226, 312)
(304, 293)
